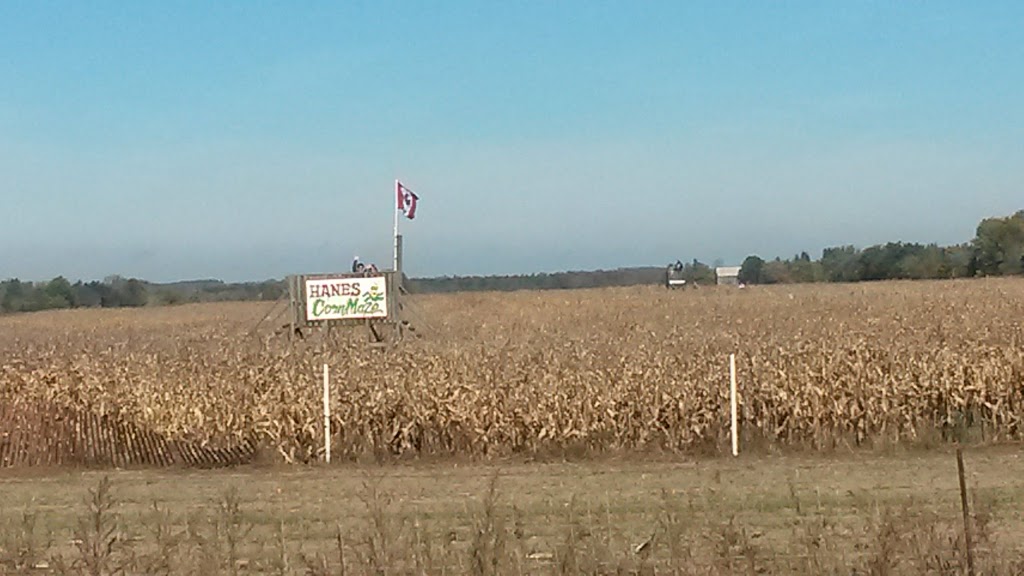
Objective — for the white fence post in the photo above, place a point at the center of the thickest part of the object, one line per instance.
(732, 402)
(327, 414)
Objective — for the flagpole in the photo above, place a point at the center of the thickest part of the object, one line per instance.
(394, 199)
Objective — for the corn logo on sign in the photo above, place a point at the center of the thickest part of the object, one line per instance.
(346, 298)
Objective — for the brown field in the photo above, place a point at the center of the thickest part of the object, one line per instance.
(529, 373)
(851, 397)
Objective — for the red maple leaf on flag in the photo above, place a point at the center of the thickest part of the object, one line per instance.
(406, 200)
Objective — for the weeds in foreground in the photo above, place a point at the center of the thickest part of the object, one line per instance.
(493, 536)
(101, 543)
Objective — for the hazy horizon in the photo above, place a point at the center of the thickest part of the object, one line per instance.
(245, 143)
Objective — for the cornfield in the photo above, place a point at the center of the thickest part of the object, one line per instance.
(532, 373)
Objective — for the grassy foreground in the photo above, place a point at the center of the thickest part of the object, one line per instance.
(862, 512)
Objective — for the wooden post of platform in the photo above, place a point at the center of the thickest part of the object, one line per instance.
(293, 299)
(398, 256)
(398, 286)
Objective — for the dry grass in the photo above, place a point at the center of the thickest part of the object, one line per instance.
(866, 513)
(537, 373)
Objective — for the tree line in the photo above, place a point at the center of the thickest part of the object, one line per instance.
(542, 281)
(116, 292)
(996, 250)
(18, 296)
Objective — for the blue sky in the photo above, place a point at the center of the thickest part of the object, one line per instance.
(250, 140)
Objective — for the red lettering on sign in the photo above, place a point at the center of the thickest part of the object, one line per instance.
(334, 289)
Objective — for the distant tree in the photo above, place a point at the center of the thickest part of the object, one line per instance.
(134, 294)
(168, 297)
(999, 245)
(271, 290)
(58, 293)
(15, 293)
(110, 296)
(803, 269)
(776, 272)
(87, 295)
(961, 260)
(841, 264)
(883, 262)
(697, 272)
(752, 270)
(926, 262)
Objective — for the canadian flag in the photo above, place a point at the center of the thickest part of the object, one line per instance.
(406, 200)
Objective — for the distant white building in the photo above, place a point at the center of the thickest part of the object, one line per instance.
(727, 275)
